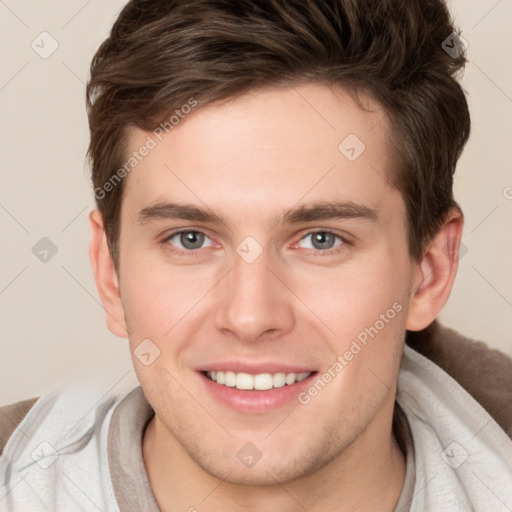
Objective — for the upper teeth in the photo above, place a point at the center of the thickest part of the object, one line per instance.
(260, 381)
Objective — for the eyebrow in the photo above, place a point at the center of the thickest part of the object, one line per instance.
(323, 210)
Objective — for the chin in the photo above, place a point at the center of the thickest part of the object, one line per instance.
(280, 467)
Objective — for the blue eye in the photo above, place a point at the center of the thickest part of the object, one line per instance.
(324, 241)
(190, 240)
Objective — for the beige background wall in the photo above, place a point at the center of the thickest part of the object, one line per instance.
(52, 325)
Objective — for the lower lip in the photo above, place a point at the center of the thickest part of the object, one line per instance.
(254, 401)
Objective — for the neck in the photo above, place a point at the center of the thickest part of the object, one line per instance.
(367, 475)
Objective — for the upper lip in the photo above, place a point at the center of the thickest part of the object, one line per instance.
(254, 368)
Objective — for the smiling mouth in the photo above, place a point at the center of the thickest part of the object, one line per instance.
(258, 382)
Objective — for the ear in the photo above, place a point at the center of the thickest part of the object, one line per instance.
(435, 274)
(105, 276)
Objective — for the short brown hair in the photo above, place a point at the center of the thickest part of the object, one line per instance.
(161, 53)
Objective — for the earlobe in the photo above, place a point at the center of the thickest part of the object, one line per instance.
(435, 274)
(105, 276)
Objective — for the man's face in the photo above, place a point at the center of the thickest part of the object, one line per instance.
(271, 288)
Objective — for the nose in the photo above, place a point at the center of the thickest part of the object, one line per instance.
(253, 301)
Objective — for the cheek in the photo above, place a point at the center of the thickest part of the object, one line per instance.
(157, 297)
(365, 313)
(352, 296)
(364, 306)
(164, 303)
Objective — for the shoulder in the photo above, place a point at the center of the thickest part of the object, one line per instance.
(484, 373)
(64, 416)
(66, 430)
(11, 416)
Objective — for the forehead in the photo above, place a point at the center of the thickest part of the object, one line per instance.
(268, 148)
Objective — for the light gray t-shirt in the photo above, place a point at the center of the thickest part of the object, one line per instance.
(129, 477)
(81, 449)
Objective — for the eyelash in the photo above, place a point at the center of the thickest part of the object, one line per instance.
(197, 252)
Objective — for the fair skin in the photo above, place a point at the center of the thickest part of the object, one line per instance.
(298, 304)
